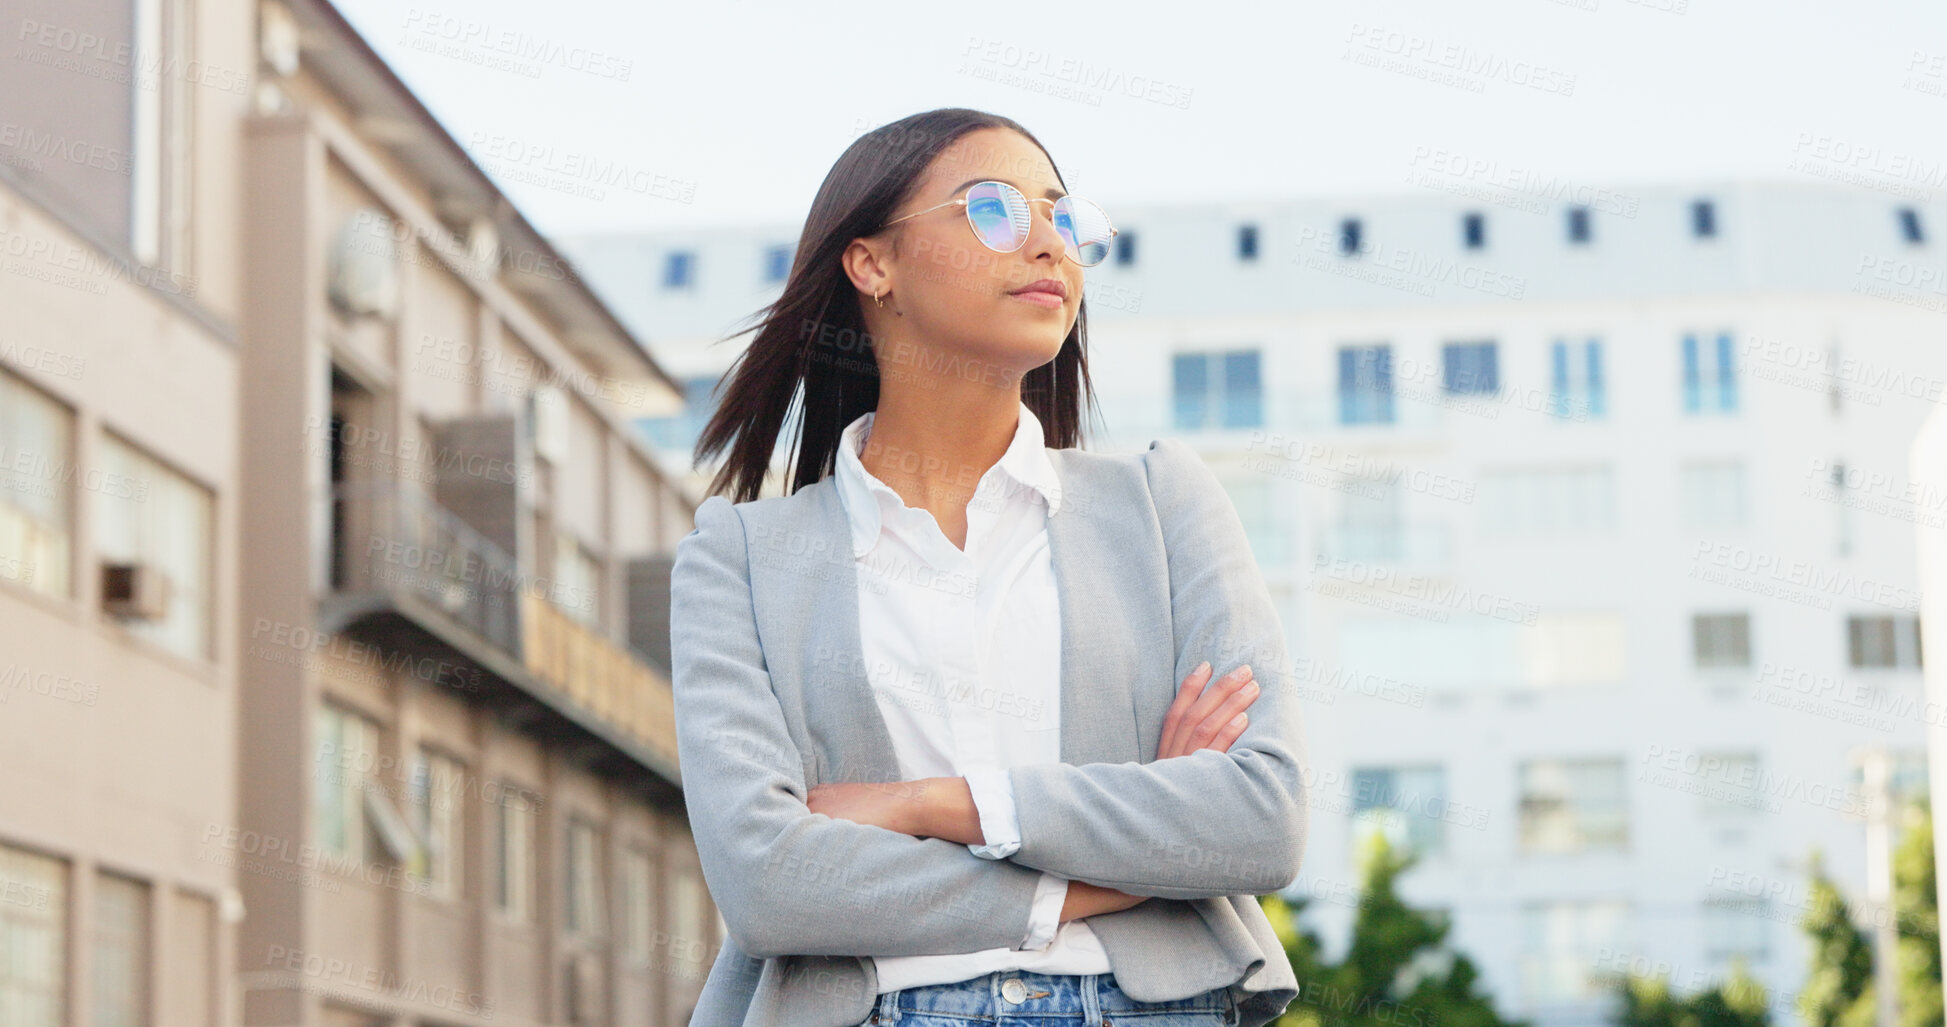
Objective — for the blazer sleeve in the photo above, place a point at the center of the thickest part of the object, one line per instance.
(1210, 823)
(789, 881)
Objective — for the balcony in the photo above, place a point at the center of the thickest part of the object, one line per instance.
(415, 578)
(390, 538)
(598, 676)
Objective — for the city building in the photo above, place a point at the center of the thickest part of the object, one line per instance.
(121, 496)
(1588, 511)
(459, 747)
(333, 577)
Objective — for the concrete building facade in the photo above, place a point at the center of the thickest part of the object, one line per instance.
(333, 577)
(1588, 511)
(121, 364)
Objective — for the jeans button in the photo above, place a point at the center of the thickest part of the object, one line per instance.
(1013, 990)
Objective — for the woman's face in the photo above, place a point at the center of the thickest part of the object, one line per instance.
(952, 292)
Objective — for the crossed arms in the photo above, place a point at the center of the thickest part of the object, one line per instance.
(790, 881)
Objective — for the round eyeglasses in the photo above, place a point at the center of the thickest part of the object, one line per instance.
(1001, 217)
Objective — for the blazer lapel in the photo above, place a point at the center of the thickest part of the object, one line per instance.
(843, 720)
(1098, 720)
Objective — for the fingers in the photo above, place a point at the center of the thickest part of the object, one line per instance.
(1226, 714)
(1201, 715)
(1186, 695)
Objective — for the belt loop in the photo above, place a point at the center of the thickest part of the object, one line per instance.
(888, 1011)
(1091, 1001)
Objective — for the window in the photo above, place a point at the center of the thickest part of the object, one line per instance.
(1544, 501)
(151, 515)
(1842, 505)
(1709, 376)
(1575, 379)
(1890, 642)
(1370, 526)
(679, 269)
(1350, 233)
(777, 263)
(680, 431)
(691, 923)
(1218, 390)
(1713, 494)
(1573, 806)
(1571, 650)
(1247, 242)
(1475, 651)
(1470, 367)
(584, 879)
(1473, 231)
(438, 782)
(1721, 640)
(1406, 804)
(577, 586)
(1910, 226)
(1125, 247)
(1728, 784)
(514, 835)
(1366, 384)
(1578, 225)
(121, 951)
(1703, 219)
(189, 990)
(346, 751)
(1256, 498)
(34, 936)
(36, 505)
(1737, 926)
(103, 162)
(1564, 945)
(1469, 652)
(638, 904)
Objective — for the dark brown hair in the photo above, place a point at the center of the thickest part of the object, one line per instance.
(800, 353)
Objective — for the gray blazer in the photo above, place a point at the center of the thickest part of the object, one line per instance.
(771, 697)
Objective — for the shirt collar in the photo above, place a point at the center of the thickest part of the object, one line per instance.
(867, 499)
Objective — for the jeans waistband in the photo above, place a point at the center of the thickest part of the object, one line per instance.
(1008, 993)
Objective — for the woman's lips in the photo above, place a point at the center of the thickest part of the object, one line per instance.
(1045, 300)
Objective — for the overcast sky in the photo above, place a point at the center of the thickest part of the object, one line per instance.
(598, 115)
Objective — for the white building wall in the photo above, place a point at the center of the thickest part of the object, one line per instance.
(1818, 291)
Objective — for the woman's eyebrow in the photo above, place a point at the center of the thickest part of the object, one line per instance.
(1051, 192)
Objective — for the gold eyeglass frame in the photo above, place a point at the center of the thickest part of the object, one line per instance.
(962, 201)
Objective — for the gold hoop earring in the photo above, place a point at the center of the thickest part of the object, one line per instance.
(877, 300)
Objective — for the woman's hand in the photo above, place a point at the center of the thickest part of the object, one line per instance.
(1207, 718)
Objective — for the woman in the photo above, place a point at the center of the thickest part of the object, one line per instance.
(935, 751)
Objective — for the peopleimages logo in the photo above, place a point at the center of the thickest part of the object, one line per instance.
(1715, 561)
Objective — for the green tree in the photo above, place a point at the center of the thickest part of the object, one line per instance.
(1398, 970)
(1916, 905)
(1646, 1001)
(1838, 984)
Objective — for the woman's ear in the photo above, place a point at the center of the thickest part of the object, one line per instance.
(865, 265)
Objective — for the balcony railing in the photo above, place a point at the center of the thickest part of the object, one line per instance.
(598, 675)
(393, 538)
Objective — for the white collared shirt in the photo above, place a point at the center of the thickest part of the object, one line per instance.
(963, 652)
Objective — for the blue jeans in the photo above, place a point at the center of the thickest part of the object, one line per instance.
(1021, 998)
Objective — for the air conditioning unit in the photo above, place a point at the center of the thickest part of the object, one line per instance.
(550, 421)
(134, 591)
